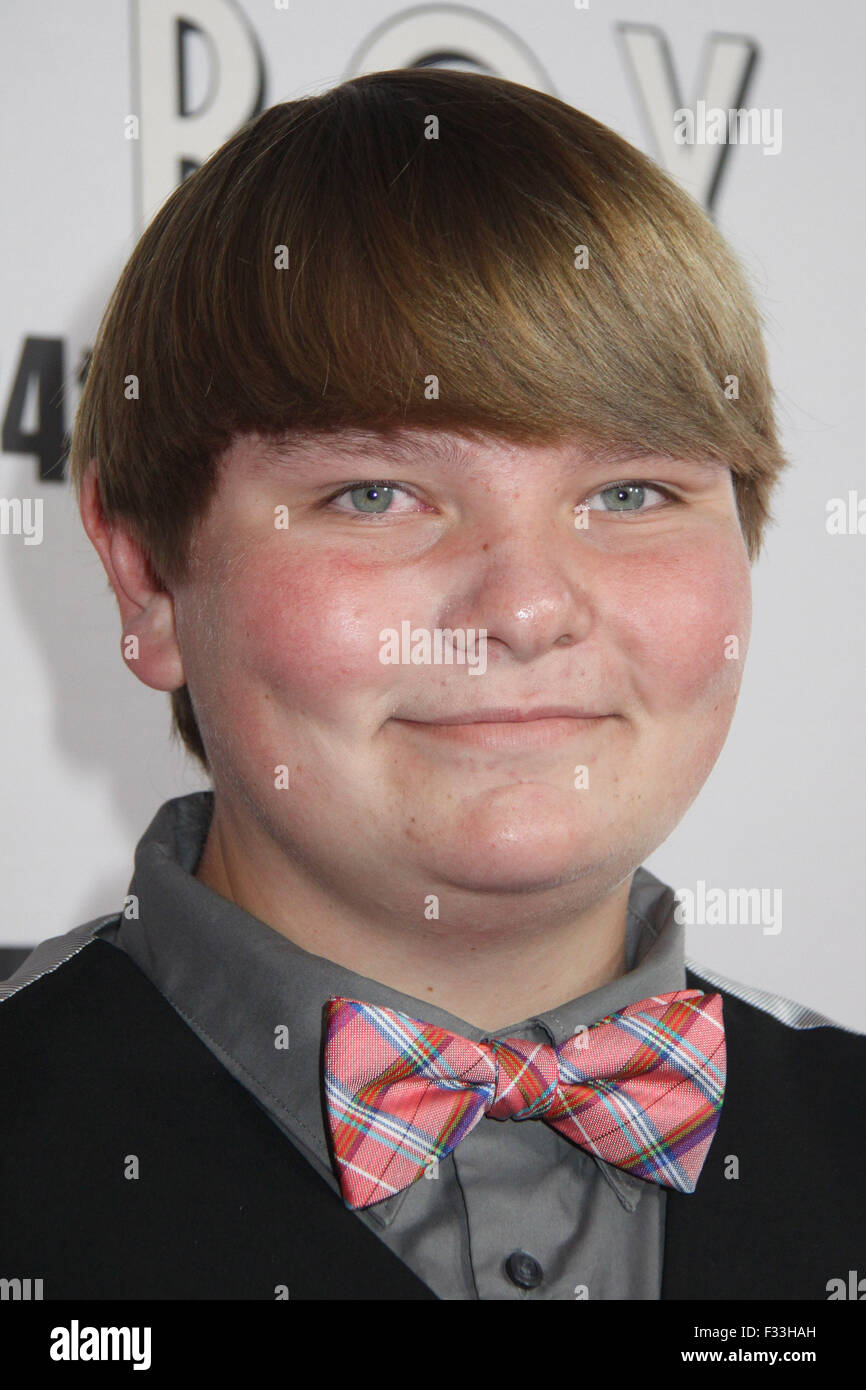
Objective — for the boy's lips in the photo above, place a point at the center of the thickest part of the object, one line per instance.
(509, 729)
(508, 715)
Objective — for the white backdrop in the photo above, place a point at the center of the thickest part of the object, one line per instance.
(86, 754)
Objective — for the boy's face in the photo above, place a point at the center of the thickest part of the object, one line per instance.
(630, 618)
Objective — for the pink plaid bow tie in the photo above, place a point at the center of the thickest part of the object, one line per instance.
(642, 1089)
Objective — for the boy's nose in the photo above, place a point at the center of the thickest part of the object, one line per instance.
(530, 591)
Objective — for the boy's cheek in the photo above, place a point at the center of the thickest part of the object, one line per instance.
(690, 629)
(307, 629)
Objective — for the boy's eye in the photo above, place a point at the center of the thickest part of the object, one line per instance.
(374, 497)
(628, 497)
(371, 498)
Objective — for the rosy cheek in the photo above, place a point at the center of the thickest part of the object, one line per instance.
(688, 622)
(308, 630)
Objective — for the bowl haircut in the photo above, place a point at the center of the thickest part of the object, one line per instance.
(408, 257)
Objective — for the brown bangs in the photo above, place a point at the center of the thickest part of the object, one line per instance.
(406, 250)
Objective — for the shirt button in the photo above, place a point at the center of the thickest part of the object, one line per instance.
(523, 1270)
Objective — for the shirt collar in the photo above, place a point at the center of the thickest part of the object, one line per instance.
(237, 981)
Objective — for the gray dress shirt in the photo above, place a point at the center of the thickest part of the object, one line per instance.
(516, 1211)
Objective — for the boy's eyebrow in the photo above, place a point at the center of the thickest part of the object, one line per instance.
(348, 446)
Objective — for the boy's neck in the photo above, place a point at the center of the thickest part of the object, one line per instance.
(489, 977)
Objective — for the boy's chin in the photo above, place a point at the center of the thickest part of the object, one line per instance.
(530, 837)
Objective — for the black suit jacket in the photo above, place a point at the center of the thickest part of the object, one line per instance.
(100, 1077)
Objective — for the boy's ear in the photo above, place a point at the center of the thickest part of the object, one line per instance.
(149, 643)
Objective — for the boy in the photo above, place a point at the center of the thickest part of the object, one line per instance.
(427, 443)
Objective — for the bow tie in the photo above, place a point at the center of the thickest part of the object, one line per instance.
(641, 1089)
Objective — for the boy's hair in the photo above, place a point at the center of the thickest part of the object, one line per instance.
(416, 252)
